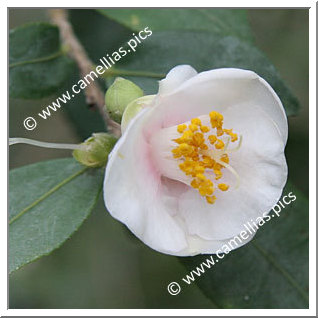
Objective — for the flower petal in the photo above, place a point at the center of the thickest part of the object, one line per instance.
(175, 78)
(261, 165)
(217, 90)
(181, 222)
(198, 245)
(132, 191)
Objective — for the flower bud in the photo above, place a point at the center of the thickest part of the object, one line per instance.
(95, 150)
(119, 95)
(133, 108)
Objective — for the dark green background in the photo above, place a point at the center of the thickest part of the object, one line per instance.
(103, 265)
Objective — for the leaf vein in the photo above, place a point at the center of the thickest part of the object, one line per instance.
(272, 261)
(47, 194)
(39, 60)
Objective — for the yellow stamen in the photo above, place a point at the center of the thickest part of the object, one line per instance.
(205, 129)
(181, 128)
(211, 200)
(203, 156)
(193, 127)
(212, 139)
(219, 144)
(223, 186)
(196, 121)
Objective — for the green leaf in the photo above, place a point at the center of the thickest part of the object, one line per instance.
(48, 202)
(100, 37)
(269, 272)
(86, 120)
(165, 49)
(224, 22)
(38, 65)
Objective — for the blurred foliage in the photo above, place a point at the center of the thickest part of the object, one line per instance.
(269, 272)
(224, 22)
(103, 265)
(37, 63)
(41, 215)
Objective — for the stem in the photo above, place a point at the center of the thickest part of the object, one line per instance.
(94, 95)
(13, 141)
(117, 72)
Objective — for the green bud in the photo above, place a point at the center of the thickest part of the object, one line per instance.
(119, 95)
(133, 108)
(95, 150)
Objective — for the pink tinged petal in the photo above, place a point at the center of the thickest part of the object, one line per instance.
(136, 195)
(132, 191)
(217, 90)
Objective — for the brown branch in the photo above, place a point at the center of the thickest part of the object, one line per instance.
(93, 93)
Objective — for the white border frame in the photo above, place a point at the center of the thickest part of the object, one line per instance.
(312, 166)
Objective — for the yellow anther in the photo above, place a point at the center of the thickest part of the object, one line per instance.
(225, 158)
(198, 139)
(193, 127)
(198, 159)
(234, 137)
(219, 144)
(176, 153)
(212, 139)
(187, 134)
(218, 174)
(231, 134)
(195, 157)
(196, 121)
(214, 115)
(210, 200)
(208, 162)
(185, 148)
(209, 190)
(199, 169)
(208, 183)
(219, 132)
(202, 191)
(223, 186)
(201, 176)
(205, 129)
(194, 184)
(181, 128)
(204, 147)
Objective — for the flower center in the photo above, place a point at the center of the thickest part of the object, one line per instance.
(204, 154)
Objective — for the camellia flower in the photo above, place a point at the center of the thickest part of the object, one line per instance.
(201, 159)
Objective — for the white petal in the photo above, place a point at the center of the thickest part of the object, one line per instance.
(261, 165)
(201, 246)
(175, 78)
(179, 222)
(132, 191)
(217, 90)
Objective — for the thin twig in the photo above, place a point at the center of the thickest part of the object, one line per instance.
(93, 93)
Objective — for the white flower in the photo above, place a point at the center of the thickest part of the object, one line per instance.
(182, 192)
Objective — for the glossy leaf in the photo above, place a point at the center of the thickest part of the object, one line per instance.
(48, 202)
(269, 272)
(224, 22)
(38, 65)
(164, 50)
